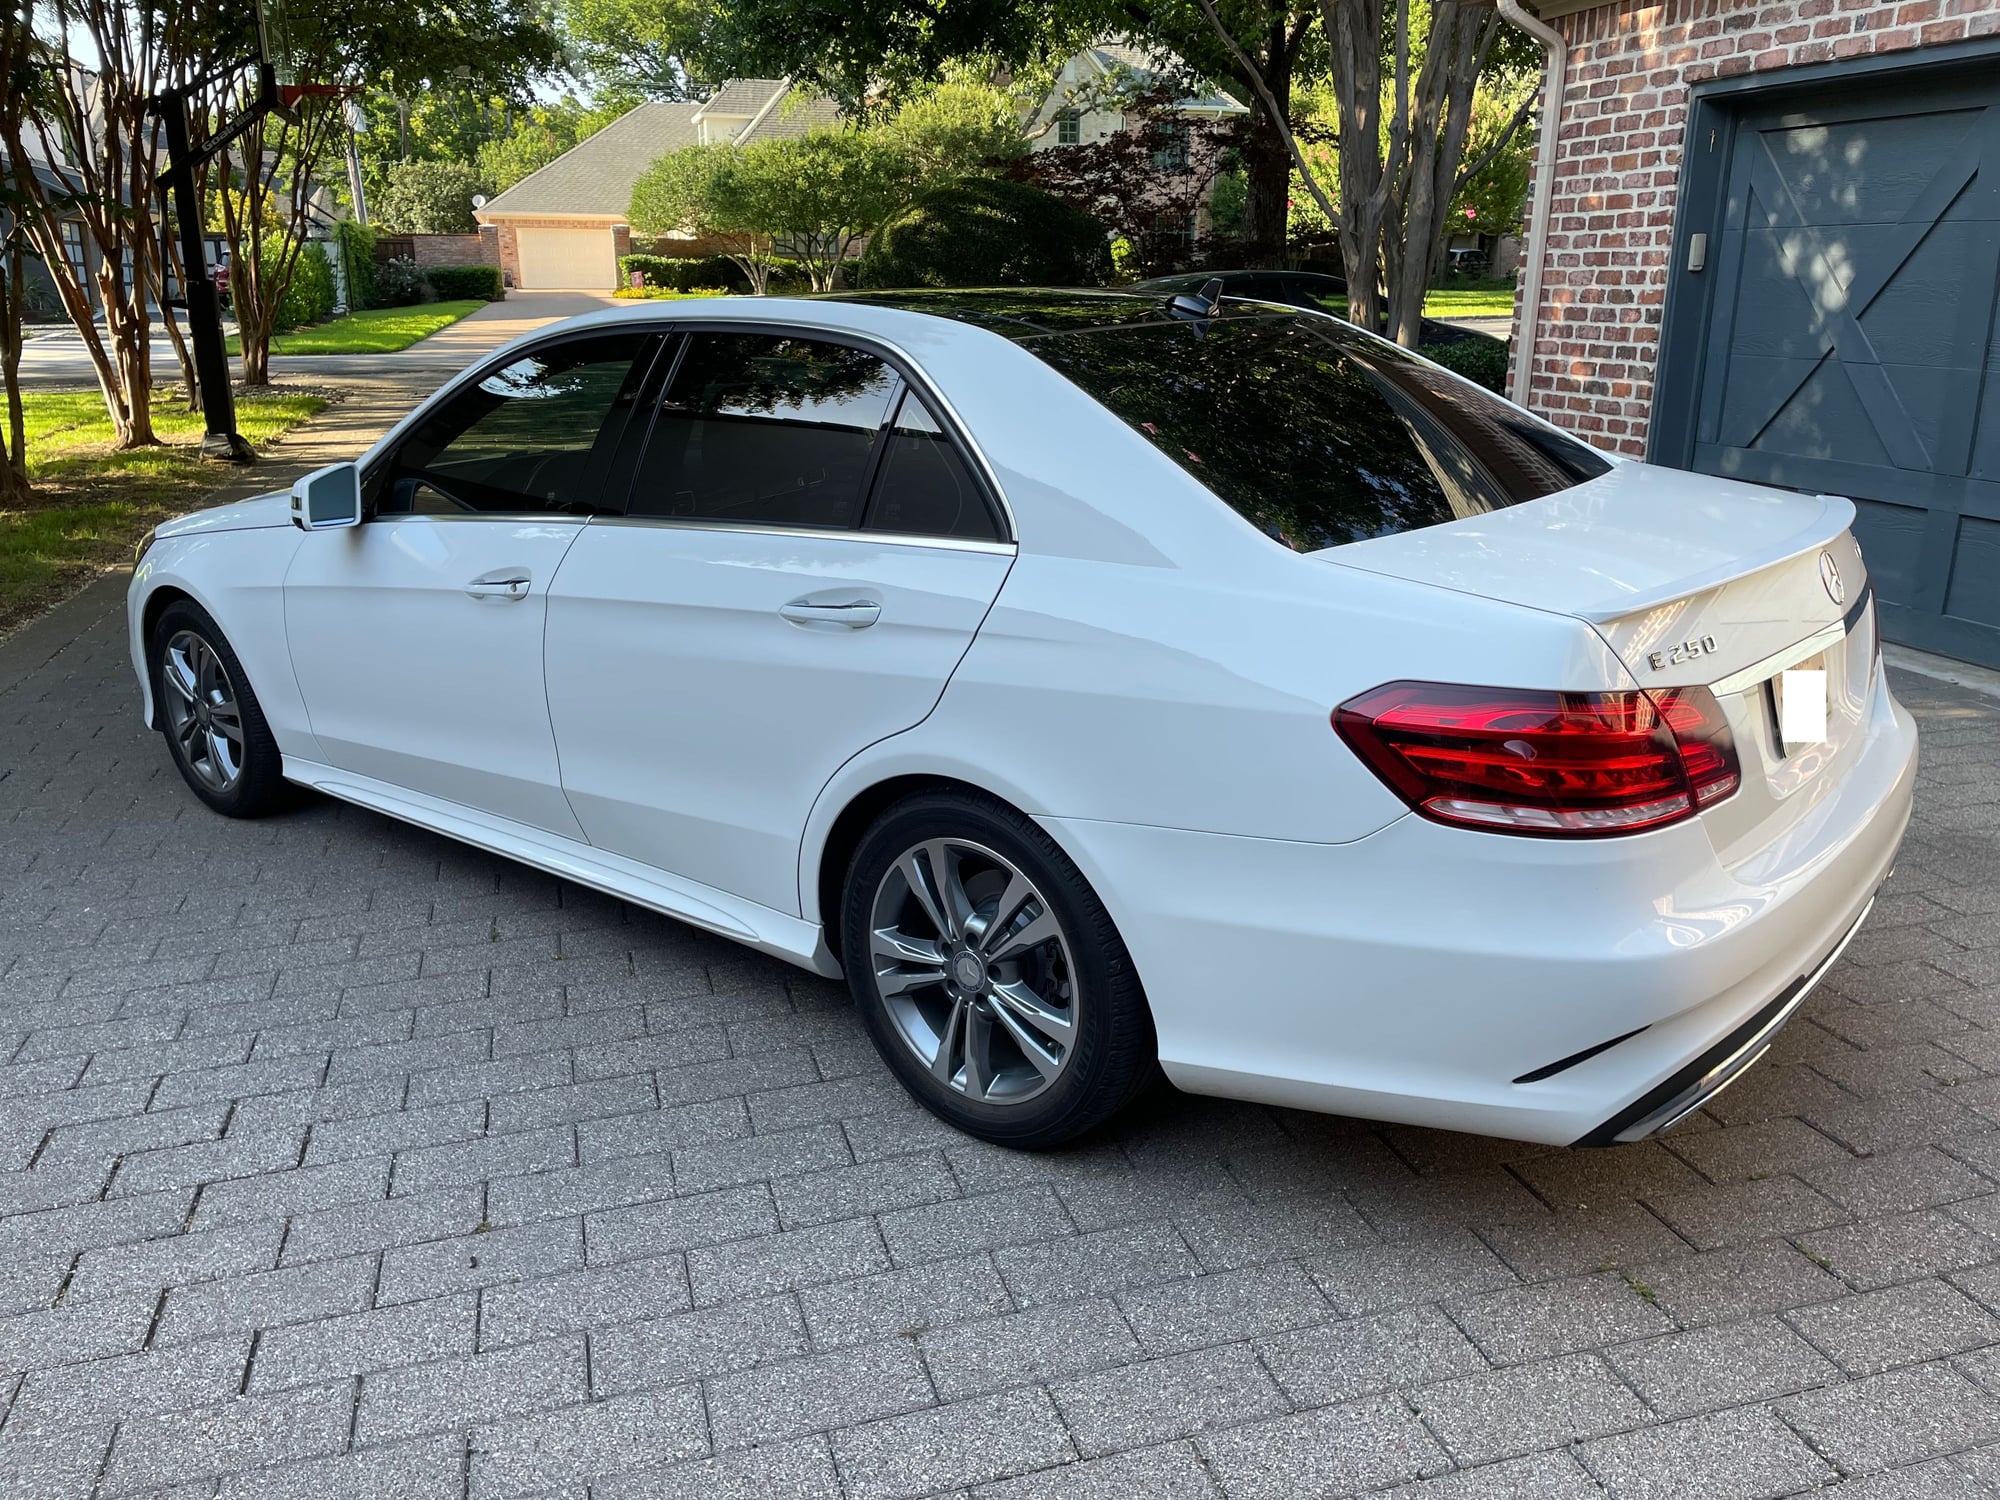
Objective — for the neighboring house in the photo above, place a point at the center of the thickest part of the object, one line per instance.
(1773, 252)
(564, 224)
(1087, 105)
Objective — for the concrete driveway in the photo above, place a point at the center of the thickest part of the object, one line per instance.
(339, 1160)
(59, 360)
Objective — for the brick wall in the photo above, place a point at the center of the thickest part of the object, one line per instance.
(1618, 160)
(450, 250)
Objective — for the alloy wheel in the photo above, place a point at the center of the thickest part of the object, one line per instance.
(975, 971)
(203, 715)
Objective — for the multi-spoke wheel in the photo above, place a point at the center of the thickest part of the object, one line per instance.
(202, 713)
(211, 718)
(992, 979)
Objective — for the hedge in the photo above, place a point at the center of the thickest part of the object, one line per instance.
(450, 283)
(1479, 357)
(356, 244)
(680, 273)
(984, 231)
(309, 295)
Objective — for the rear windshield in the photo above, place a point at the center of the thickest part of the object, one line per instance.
(1316, 434)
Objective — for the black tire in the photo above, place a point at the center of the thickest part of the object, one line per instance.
(259, 785)
(1114, 1053)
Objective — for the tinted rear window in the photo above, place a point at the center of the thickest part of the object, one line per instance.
(1314, 433)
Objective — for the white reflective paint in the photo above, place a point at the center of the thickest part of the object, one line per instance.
(696, 723)
(411, 680)
(1151, 679)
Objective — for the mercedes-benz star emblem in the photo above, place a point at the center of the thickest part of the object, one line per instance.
(1829, 574)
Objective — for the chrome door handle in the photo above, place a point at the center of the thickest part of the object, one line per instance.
(853, 614)
(501, 583)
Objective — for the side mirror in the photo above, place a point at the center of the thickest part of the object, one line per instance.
(327, 498)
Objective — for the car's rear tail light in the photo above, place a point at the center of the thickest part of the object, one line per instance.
(1552, 764)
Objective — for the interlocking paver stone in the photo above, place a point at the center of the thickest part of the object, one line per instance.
(554, 1194)
(1519, 1410)
(537, 1454)
(1333, 1450)
(1139, 1404)
(823, 1391)
(966, 1443)
(1747, 1453)
(1730, 1364)
(1028, 1348)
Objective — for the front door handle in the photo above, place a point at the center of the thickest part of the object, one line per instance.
(849, 614)
(501, 583)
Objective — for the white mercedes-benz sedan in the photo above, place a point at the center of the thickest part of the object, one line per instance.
(1102, 684)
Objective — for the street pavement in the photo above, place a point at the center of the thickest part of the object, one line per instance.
(338, 1160)
(58, 360)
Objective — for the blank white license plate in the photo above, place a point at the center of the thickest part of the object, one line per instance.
(1801, 697)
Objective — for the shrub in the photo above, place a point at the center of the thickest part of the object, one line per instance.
(1479, 357)
(398, 283)
(448, 283)
(664, 294)
(428, 197)
(683, 273)
(987, 232)
(355, 244)
(309, 296)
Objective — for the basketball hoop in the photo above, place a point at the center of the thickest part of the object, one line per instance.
(278, 58)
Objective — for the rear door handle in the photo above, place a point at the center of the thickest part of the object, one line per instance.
(850, 614)
(501, 583)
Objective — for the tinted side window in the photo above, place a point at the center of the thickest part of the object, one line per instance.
(765, 429)
(924, 487)
(537, 434)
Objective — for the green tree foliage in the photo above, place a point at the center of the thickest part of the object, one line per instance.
(956, 129)
(980, 231)
(637, 47)
(812, 195)
(428, 197)
(537, 136)
(699, 191)
(818, 193)
(1496, 193)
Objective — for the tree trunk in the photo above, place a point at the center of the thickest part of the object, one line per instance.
(14, 485)
(1267, 173)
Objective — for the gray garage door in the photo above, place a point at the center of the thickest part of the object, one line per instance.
(1848, 340)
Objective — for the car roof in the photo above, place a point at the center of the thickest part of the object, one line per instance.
(1033, 312)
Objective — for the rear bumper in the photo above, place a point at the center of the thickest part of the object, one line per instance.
(1665, 1106)
(1470, 981)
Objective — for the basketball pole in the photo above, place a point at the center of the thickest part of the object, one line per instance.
(199, 298)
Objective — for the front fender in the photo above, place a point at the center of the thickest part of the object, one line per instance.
(238, 577)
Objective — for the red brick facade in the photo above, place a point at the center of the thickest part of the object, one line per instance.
(1631, 65)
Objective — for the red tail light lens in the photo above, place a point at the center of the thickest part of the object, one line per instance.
(1550, 764)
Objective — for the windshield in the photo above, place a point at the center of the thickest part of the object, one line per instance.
(1313, 432)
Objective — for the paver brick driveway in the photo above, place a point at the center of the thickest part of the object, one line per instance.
(339, 1161)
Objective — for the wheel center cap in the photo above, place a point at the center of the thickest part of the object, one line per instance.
(968, 969)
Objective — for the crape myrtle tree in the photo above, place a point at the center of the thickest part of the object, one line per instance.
(16, 59)
(701, 191)
(1404, 75)
(265, 182)
(94, 124)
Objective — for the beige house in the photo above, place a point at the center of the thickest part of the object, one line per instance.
(564, 225)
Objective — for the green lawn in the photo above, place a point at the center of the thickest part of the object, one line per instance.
(377, 330)
(1473, 300)
(92, 502)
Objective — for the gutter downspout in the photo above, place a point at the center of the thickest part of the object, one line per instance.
(1545, 189)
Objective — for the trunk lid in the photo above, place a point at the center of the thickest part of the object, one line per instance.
(1692, 581)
